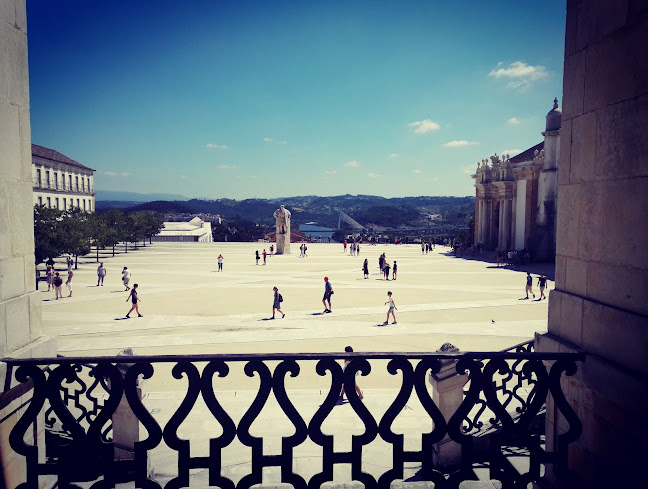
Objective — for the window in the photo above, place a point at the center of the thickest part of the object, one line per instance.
(64, 203)
(49, 202)
(90, 205)
(56, 182)
(57, 203)
(70, 177)
(38, 178)
(78, 203)
(40, 200)
(76, 179)
(47, 178)
(82, 185)
(84, 204)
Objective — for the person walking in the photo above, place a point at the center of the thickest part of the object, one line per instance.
(276, 303)
(386, 270)
(529, 285)
(126, 276)
(101, 273)
(365, 268)
(271, 250)
(328, 292)
(58, 283)
(265, 254)
(220, 261)
(70, 262)
(49, 274)
(348, 349)
(68, 282)
(392, 307)
(134, 297)
(394, 273)
(256, 256)
(542, 283)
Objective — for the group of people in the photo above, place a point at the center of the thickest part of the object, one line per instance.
(427, 246)
(513, 258)
(302, 250)
(542, 284)
(55, 281)
(384, 267)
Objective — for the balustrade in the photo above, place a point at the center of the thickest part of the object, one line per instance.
(78, 398)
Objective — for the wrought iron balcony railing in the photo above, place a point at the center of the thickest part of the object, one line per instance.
(63, 187)
(87, 398)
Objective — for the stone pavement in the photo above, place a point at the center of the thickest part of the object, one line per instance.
(190, 308)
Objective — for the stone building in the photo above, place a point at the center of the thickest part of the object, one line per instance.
(194, 231)
(515, 198)
(61, 182)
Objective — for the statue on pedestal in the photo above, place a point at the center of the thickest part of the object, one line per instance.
(282, 228)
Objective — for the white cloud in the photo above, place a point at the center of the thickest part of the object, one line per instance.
(352, 164)
(469, 169)
(216, 146)
(435, 179)
(282, 142)
(417, 172)
(394, 155)
(514, 121)
(226, 167)
(460, 144)
(253, 177)
(374, 175)
(511, 152)
(424, 126)
(116, 174)
(182, 177)
(520, 74)
(330, 172)
(268, 140)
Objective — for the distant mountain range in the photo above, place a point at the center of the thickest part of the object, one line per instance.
(110, 195)
(369, 210)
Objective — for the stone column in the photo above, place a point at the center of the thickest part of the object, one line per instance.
(507, 217)
(447, 394)
(600, 302)
(20, 303)
(282, 230)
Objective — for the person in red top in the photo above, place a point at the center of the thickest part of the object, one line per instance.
(265, 254)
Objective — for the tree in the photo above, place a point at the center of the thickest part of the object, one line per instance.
(153, 223)
(75, 233)
(115, 228)
(47, 233)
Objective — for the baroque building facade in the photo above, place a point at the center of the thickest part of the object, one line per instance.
(515, 198)
(60, 182)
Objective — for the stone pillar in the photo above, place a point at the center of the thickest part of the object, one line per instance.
(600, 302)
(20, 311)
(125, 424)
(282, 231)
(447, 394)
(507, 218)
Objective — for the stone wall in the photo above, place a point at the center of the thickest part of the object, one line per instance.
(20, 326)
(600, 304)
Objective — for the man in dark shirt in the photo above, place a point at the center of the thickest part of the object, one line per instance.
(328, 291)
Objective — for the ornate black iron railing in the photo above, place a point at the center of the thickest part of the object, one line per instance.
(512, 387)
(84, 404)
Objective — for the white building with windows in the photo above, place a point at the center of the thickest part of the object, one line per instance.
(61, 182)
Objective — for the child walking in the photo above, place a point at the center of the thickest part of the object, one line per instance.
(392, 307)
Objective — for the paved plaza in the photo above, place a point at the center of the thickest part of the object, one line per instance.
(190, 308)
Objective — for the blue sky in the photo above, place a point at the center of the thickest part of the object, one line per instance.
(243, 99)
